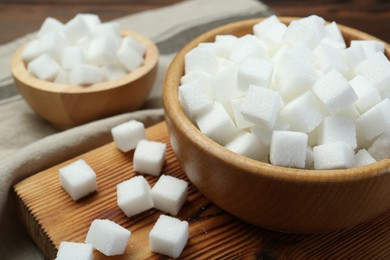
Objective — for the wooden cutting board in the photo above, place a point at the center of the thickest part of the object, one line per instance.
(50, 216)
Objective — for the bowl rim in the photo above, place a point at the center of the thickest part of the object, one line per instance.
(20, 72)
(176, 116)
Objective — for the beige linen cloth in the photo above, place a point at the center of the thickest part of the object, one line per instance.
(29, 145)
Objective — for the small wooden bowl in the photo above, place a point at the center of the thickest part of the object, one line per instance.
(272, 197)
(66, 106)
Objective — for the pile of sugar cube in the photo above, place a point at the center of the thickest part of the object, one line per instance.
(84, 51)
(294, 96)
(134, 196)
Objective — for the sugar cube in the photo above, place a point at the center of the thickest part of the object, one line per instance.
(363, 157)
(134, 196)
(168, 236)
(353, 55)
(76, 28)
(194, 98)
(134, 44)
(113, 71)
(224, 83)
(297, 33)
(254, 71)
(102, 51)
(91, 20)
(149, 157)
(249, 145)
(239, 120)
(303, 113)
(368, 95)
(169, 194)
(75, 251)
(380, 148)
(44, 67)
(73, 56)
(200, 59)
(334, 91)
(331, 58)
(248, 45)
(85, 74)
(62, 77)
(53, 44)
(288, 149)
(110, 29)
(337, 155)
(261, 105)
(129, 58)
(127, 135)
(216, 123)
(78, 179)
(370, 47)
(32, 51)
(337, 129)
(264, 25)
(273, 37)
(333, 31)
(265, 134)
(50, 25)
(108, 237)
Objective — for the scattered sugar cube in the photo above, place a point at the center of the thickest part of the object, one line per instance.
(376, 69)
(168, 236)
(50, 25)
(133, 196)
(113, 71)
(134, 44)
(380, 148)
(376, 120)
(73, 56)
(363, 157)
(102, 51)
(334, 91)
(370, 47)
(169, 194)
(74, 251)
(78, 179)
(127, 135)
(254, 71)
(303, 113)
(85, 74)
(194, 98)
(129, 58)
(337, 155)
(249, 145)
(44, 67)
(108, 237)
(32, 51)
(261, 105)
(149, 157)
(200, 59)
(216, 123)
(288, 149)
(368, 95)
(76, 28)
(337, 129)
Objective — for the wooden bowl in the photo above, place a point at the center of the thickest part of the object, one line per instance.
(70, 105)
(272, 197)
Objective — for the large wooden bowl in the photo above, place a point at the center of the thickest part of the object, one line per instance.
(69, 105)
(273, 197)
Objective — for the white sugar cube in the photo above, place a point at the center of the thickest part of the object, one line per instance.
(376, 120)
(216, 123)
(349, 111)
(127, 135)
(110, 29)
(337, 129)
(108, 237)
(168, 236)
(73, 56)
(32, 51)
(261, 106)
(247, 144)
(149, 157)
(200, 59)
(333, 31)
(368, 95)
(201, 76)
(113, 71)
(76, 28)
(376, 69)
(337, 155)
(169, 194)
(78, 179)
(91, 20)
(294, 77)
(50, 25)
(265, 134)
(334, 91)
(273, 37)
(133, 196)
(129, 58)
(75, 251)
(254, 71)
(85, 74)
(330, 57)
(62, 77)
(264, 25)
(380, 148)
(224, 84)
(102, 51)
(353, 55)
(134, 44)
(370, 47)
(288, 149)
(53, 43)
(44, 67)
(299, 33)
(363, 157)
(303, 113)
(247, 46)
(240, 121)
(194, 98)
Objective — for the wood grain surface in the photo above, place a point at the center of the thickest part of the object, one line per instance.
(19, 17)
(50, 217)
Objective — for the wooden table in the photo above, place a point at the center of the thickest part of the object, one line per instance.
(23, 16)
